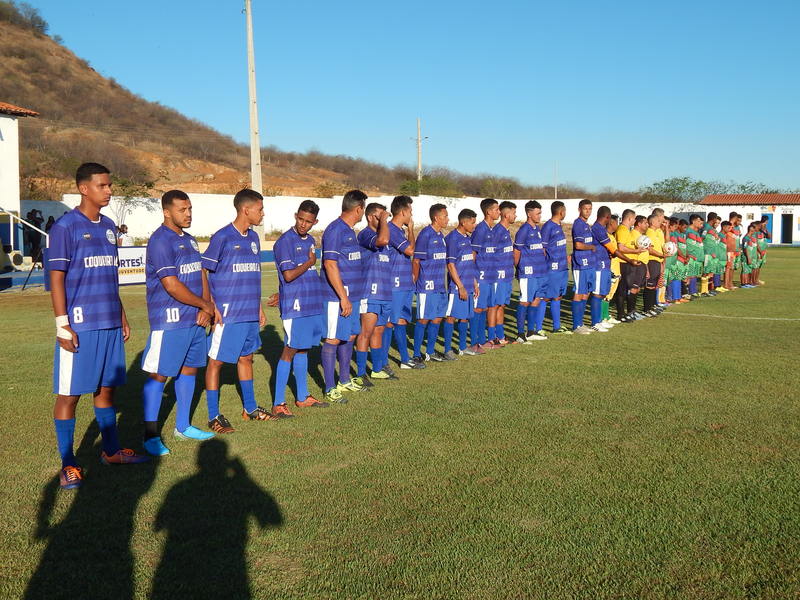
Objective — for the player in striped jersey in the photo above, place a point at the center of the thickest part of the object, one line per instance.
(463, 288)
(532, 270)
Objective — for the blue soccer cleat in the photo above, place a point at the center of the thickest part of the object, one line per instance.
(193, 433)
(154, 446)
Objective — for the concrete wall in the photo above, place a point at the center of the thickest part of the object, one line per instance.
(9, 162)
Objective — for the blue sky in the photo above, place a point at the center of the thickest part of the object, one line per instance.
(619, 93)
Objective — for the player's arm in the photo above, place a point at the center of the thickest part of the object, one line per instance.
(67, 338)
(420, 254)
(383, 230)
(451, 270)
(576, 245)
(415, 269)
(178, 290)
(288, 267)
(126, 328)
(331, 267)
(517, 255)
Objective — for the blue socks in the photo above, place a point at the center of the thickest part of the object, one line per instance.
(344, 352)
(212, 401)
(716, 280)
(401, 339)
(693, 285)
(462, 335)
(448, 329)
(184, 391)
(152, 391)
(300, 367)
(555, 314)
(522, 312)
(376, 355)
(65, 434)
(596, 309)
(386, 343)
(419, 334)
(482, 327)
(473, 329)
(539, 318)
(281, 381)
(107, 421)
(433, 333)
(361, 363)
(499, 331)
(531, 315)
(328, 360)
(578, 308)
(248, 395)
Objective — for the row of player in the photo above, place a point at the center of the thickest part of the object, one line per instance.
(358, 302)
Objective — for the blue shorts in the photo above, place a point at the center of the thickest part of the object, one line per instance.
(229, 341)
(531, 288)
(99, 362)
(337, 327)
(584, 280)
(377, 307)
(302, 333)
(502, 292)
(557, 284)
(602, 282)
(431, 305)
(460, 309)
(485, 294)
(169, 350)
(401, 306)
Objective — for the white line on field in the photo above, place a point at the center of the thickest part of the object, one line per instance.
(677, 314)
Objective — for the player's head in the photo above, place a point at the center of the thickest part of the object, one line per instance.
(695, 221)
(250, 204)
(177, 209)
(603, 214)
(373, 212)
(508, 211)
(726, 226)
(764, 219)
(585, 209)
(353, 203)
(673, 224)
(438, 215)
(558, 210)
(306, 217)
(683, 225)
(654, 221)
(628, 215)
(732, 215)
(640, 223)
(122, 228)
(751, 228)
(94, 183)
(659, 212)
(490, 209)
(533, 210)
(467, 219)
(401, 209)
(613, 223)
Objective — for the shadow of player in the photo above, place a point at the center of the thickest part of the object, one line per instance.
(206, 520)
(88, 554)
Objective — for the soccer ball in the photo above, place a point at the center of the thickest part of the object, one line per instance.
(670, 248)
(643, 242)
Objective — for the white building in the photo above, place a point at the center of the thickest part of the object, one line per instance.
(9, 162)
(782, 210)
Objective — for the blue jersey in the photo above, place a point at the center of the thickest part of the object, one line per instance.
(483, 244)
(602, 259)
(233, 260)
(460, 254)
(87, 252)
(339, 243)
(504, 254)
(431, 250)
(532, 258)
(301, 297)
(171, 255)
(402, 280)
(582, 232)
(555, 246)
(377, 267)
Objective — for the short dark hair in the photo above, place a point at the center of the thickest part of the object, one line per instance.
(466, 214)
(373, 207)
(246, 196)
(733, 214)
(711, 216)
(505, 205)
(725, 223)
(603, 211)
(486, 204)
(400, 203)
(673, 221)
(556, 206)
(86, 170)
(751, 226)
(626, 212)
(764, 218)
(639, 219)
(352, 200)
(531, 205)
(584, 202)
(169, 197)
(309, 206)
(615, 218)
(435, 210)
(651, 218)
(683, 222)
(694, 217)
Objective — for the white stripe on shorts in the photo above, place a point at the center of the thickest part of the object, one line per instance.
(576, 278)
(598, 276)
(523, 290)
(65, 359)
(153, 355)
(362, 306)
(216, 340)
(287, 328)
(450, 299)
(421, 299)
(333, 320)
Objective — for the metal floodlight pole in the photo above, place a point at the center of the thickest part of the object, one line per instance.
(419, 150)
(255, 143)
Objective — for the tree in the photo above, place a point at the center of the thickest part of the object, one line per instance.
(436, 185)
(130, 194)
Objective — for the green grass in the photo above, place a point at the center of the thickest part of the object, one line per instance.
(545, 471)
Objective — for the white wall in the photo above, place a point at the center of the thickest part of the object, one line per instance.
(9, 162)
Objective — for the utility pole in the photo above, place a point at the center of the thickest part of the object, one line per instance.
(255, 143)
(419, 151)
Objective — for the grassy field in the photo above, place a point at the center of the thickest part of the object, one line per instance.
(547, 471)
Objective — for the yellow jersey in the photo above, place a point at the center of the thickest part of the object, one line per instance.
(657, 238)
(627, 237)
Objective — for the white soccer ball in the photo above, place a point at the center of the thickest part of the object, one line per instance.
(670, 248)
(643, 242)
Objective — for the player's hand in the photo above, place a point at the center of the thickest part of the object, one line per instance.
(312, 256)
(70, 345)
(462, 293)
(273, 300)
(126, 329)
(217, 316)
(204, 318)
(384, 216)
(346, 306)
(636, 263)
(410, 224)
(262, 318)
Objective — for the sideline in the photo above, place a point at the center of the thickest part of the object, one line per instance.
(677, 314)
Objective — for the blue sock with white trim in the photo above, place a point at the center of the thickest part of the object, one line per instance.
(65, 435)
(107, 421)
(184, 392)
(281, 381)
(248, 395)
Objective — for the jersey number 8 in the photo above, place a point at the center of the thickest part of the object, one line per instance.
(77, 315)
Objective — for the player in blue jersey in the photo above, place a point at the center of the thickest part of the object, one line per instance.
(91, 326)
(429, 267)
(401, 249)
(463, 287)
(555, 246)
(300, 305)
(179, 309)
(485, 248)
(233, 263)
(583, 265)
(505, 269)
(532, 270)
(377, 301)
(604, 250)
(342, 288)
